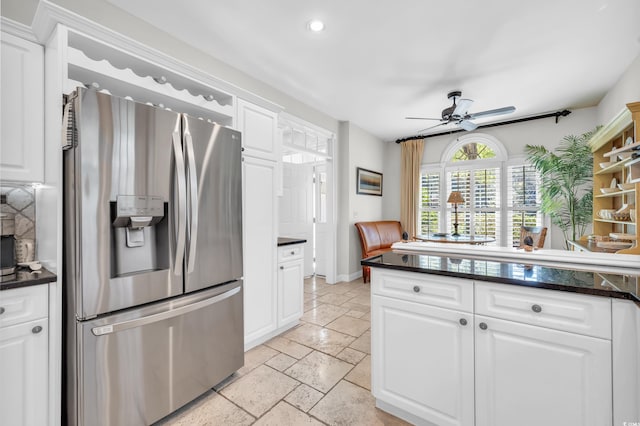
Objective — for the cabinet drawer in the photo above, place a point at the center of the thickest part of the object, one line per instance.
(435, 290)
(577, 313)
(23, 304)
(292, 252)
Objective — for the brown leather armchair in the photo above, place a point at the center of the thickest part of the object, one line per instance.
(376, 238)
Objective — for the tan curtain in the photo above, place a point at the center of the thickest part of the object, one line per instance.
(411, 158)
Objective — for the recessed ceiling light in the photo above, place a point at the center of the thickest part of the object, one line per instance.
(315, 25)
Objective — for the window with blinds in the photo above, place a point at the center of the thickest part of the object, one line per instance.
(480, 212)
(430, 203)
(523, 202)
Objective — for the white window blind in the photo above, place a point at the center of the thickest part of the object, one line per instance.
(523, 203)
(430, 202)
(480, 213)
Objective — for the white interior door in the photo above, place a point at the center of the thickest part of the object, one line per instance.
(296, 208)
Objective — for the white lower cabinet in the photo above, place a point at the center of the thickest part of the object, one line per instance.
(530, 376)
(429, 368)
(290, 286)
(423, 360)
(24, 357)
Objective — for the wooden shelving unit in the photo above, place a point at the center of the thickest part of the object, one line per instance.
(606, 144)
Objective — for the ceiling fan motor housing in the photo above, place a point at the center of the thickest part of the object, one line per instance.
(447, 112)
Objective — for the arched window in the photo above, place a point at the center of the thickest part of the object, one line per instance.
(499, 194)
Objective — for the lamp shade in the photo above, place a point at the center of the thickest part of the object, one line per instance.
(455, 197)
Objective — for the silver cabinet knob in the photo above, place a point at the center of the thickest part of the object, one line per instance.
(463, 321)
(536, 308)
(292, 253)
(416, 289)
(483, 326)
(282, 267)
(37, 329)
(1, 310)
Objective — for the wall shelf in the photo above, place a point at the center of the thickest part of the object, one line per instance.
(616, 194)
(618, 166)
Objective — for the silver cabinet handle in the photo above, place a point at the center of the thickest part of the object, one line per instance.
(282, 267)
(536, 308)
(139, 322)
(181, 203)
(37, 329)
(292, 253)
(483, 326)
(1, 310)
(416, 289)
(193, 199)
(463, 321)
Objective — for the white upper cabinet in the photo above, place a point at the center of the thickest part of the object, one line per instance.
(22, 113)
(258, 126)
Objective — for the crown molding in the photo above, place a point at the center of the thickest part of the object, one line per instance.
(17, 29)
(48, 15)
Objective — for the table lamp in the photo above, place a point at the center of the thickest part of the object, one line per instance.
(455, 198)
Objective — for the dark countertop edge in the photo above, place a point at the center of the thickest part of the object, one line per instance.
(559, 287)
(285, 241)
(43, 278)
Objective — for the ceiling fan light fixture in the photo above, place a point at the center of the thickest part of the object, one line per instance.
(315, 25)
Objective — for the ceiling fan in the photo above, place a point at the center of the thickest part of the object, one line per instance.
(458, 113)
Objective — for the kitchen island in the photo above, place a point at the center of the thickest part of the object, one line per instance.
(458, 340)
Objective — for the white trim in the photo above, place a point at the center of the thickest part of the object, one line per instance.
(286, 119)
(349, 277)
(491, 141)
(48, 15)
(17, 29)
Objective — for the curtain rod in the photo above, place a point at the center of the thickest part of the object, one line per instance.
(556, 114)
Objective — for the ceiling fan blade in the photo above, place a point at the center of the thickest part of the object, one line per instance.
(428, 128)
(422, 118)
(489, 113)
(462, 107)
(468, 125)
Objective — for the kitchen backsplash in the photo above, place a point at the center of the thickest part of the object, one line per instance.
(21, 201)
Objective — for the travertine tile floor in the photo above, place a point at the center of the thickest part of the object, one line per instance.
(318, 373)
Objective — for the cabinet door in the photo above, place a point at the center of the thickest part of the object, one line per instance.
(532, 376)
(290, 292)
(22, 118)
(258, 127)
(24, 374)
(259, 248)
(423, 360)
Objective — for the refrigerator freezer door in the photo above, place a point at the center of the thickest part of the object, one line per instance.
(214, 225)
(124, 149)
(139, 366)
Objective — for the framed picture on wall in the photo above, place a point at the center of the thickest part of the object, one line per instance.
(368, 182)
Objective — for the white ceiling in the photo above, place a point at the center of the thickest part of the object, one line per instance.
(379, 61)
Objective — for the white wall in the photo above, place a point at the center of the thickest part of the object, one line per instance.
(514, 137)
(356, 148)
(626, 90)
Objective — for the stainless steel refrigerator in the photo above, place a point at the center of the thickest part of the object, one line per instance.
(152, 259)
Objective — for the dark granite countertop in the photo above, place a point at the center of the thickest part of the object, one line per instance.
(24, 277)
(595, 283)
(284, 241)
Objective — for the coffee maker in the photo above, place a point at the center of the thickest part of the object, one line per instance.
(7, 244)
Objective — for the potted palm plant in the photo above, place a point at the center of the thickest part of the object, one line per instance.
(567, 176)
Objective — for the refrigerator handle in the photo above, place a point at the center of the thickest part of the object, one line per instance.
(182, 204)
(193, 201)
(139, 322)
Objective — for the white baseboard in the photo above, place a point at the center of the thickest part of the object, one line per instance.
(258, 341)
(348, 278)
